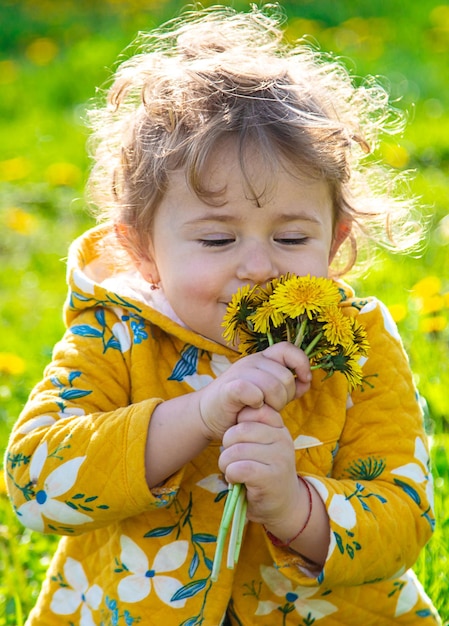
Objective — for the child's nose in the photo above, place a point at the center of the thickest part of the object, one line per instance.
(257, 264)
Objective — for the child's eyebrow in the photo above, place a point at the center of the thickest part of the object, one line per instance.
(299, 216)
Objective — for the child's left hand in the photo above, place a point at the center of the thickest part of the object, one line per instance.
(259, 452)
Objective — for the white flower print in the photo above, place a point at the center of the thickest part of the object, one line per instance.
(213, 483)
(55, 484)
(299, 597)
(83, 282)
(306, 441)
(418, 472)
(138, 585)
(342, 512)
(66, 601)
(36, 422)
(218, 364)
(48, 420)
(409, 594)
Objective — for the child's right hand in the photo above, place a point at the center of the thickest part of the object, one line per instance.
(274, 377)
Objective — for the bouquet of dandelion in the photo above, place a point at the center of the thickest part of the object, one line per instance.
(303, 310)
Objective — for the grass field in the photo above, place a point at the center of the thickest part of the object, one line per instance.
(52, 56)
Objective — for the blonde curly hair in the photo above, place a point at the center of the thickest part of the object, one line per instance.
(216, 73)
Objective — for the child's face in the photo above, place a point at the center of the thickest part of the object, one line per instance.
(202, 254)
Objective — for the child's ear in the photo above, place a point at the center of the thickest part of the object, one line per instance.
(342, 232)
(140, 254)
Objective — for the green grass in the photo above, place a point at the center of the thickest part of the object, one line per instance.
(43, 167)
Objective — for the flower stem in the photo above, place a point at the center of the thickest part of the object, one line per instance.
(300, 334)
(308, 349)
(238, 524)
(228, 512)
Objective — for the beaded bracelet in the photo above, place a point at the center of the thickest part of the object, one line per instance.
(280, 544)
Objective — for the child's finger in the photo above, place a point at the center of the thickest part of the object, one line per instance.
(291, 357)
(265, 415)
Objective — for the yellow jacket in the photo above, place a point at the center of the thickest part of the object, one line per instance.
(128, 555)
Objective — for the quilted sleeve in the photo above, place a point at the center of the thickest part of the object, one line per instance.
(379, 496)
(75, 459)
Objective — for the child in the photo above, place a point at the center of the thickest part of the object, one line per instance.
(224, 158)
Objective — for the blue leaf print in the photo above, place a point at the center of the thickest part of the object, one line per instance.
(112, 343)
(189, 590)
(162, 531)
(187, 364)
(204, 538)
(72, 376)
(80, 296)
(209, 563)
(99, 315)
(339, 542)
(74, 394)
(194, 565)
(56, 382)
(424, 613)
(408, 490)
(85, 330)
(192, 621)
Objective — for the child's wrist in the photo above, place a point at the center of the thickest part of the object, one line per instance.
(283, 537)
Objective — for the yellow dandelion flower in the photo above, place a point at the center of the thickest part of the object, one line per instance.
(398, 312)
(20, 221)
(431, 304)
(428, 286)
(337, 327)
(239, 308)
(305, 294)
(361, 343)
(251, 342)
(347, 364)
(265, 317)
(3, 491)
(11, 364)
(433, 324)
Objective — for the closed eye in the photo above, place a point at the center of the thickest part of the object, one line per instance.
(215, 243)
(292, 241)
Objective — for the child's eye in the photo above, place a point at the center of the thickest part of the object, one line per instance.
(292, 241)
(216, 243)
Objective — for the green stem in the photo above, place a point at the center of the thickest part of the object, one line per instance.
(228, 512)
(238, 523)
(300, 333)
(313, 343)
(238, 545)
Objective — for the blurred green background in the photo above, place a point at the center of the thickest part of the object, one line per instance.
(53, 56)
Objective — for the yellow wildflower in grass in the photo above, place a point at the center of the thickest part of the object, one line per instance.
(398, 312)
(11, 364)
(433, 324)
(428, 286)
(307, 295)
(302, 310)
(20, 221)
(3, 491)
(431, 304)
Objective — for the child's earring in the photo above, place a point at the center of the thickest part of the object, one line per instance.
(153, 285)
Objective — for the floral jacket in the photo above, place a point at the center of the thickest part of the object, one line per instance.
(128, 555)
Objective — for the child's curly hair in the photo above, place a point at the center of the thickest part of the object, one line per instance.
(217, 73)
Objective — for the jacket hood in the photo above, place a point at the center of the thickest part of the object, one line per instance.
(97, 277)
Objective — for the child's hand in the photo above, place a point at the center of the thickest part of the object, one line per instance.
(272, 377)
(259, 452)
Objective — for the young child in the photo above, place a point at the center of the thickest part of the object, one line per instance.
(225, 158)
